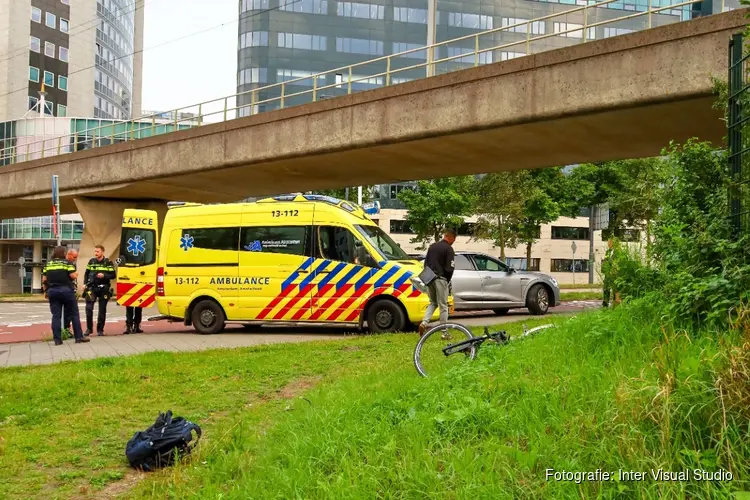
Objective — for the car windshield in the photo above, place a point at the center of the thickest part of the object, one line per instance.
(387, 248)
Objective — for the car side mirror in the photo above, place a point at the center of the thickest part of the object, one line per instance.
(511, 270)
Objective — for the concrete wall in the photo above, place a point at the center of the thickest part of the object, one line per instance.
(621, 97)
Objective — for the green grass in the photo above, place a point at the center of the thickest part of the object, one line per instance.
(566, 296)
(351, 419)
(579, 286)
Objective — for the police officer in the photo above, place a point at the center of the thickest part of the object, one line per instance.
(133, 320)
(58, 278)
(72, 257)
(99, 273)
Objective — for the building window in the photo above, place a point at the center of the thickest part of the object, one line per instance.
(537, 27)
(505, 56)
(35, 44)
(403, 47)
(50, 20)
(472, 21)
(608, 32)
(304, 6)
(36, 15)
(359, 46)
(258, 4)
(562, 28)
(284, 75)
(570, 233)
(254, 39)
(64, 25)
(626, 235)
(520, 263)
(63, 54)
(34, 74)
(407, 15)
(49, 49)
(32, 102)
(49, 79)
(253, 75)
(49, 107)
(360, 10)
(300, 41)
(62, 110)
(400, 227)
(569, 266)
(484, 57)
(62, 83)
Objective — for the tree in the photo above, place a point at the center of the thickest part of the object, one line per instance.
(500, 207)
(542, 205)
(436, 205)
(640, 196)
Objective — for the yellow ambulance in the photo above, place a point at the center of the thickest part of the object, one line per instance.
(288, 259)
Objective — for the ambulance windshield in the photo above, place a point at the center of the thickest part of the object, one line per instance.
(387, 248)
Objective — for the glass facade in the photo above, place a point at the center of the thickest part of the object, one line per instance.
(284, 41)
(113, 83)
(39, 228)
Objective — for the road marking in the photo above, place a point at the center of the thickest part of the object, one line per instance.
(16, 325)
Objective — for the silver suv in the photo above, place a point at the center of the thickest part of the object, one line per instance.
(484, 282)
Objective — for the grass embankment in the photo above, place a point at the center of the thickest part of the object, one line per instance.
(607, 390)
(568, 296)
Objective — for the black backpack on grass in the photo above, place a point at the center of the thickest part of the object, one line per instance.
(160, 444)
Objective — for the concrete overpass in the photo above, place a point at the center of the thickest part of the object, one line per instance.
(620, 97)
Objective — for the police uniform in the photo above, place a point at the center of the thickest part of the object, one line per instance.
(98, 290)
(59, 289)
(133, 320)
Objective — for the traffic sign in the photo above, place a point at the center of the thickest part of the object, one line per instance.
(573, 247)
(21, 261)
(22, 273)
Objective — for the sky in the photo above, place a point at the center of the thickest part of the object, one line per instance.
(201, 65)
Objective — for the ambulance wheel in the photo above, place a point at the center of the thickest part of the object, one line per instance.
(208, 317)
(385, 316)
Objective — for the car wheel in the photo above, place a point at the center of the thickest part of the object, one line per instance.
(501, 312)
(538, 300)
(208, 317)
(384, 317)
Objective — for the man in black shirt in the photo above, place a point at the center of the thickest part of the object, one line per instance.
(99, 273)
(58, 277)
(440, 258)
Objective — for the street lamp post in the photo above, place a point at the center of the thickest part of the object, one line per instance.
(431, 37)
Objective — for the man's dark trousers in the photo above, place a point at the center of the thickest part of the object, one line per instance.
(101, 317)
(60, 297)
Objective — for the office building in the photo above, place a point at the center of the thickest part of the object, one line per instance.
(283, 40)
(86, 56)
(83, 52)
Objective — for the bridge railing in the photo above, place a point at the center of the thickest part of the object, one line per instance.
(391, 69)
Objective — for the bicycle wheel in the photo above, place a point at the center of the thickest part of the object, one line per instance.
(429, 356)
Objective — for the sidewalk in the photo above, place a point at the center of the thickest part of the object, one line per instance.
(42, 353)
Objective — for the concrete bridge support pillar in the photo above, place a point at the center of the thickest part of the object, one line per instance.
(102, 219)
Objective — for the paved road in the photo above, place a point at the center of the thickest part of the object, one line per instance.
(24, 325)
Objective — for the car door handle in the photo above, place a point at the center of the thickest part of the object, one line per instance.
(143, 273)
(323, 272)
(124, 278)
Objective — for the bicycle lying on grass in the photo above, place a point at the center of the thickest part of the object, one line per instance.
(438, 347)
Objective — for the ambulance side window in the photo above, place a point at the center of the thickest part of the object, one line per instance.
(290, 240)
(339, 244)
